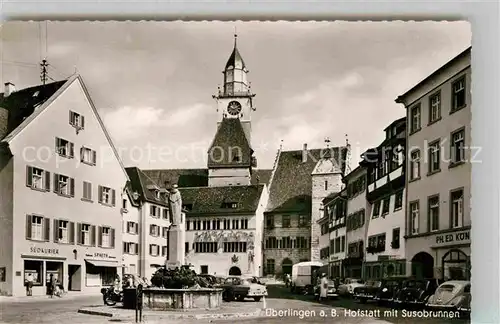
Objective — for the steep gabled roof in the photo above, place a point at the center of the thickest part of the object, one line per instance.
(21, 104)
(186, 178)
(291, 187)
(230, 141)
(140, 182)
(235, 59)
(210, 200)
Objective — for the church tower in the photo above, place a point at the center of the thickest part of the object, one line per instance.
(230, 156)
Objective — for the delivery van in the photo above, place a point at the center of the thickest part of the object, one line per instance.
(303, 276)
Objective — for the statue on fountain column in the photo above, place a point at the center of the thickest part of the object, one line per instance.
(175, 204)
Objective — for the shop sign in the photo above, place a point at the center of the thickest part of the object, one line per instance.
(42, 250)
(453, 238)
(99, 255)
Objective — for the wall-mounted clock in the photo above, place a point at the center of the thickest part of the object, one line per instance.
(234, 108)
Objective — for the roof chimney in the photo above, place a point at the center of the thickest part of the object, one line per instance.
(304, 153)
(9, 89)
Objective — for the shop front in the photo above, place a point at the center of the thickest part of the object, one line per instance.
(101, 269)
(336, 267)
(385, 266)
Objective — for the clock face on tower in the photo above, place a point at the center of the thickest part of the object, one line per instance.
(234, 108)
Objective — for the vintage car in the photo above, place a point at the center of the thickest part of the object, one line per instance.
(416, 292)
(240, 288)
(347, 287)
(330, 293)
(454, 295)
(389, 287)
(368, 291)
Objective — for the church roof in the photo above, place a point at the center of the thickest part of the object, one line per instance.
(291, 186)
(229, 141)
(235, 60)
(219, 200)
(22, 103)
(139, 182)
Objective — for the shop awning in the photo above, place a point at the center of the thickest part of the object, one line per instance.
(104, 263)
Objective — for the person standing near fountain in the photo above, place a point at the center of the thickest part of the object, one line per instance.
(177, 234)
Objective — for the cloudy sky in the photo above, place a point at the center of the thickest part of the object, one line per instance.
(153, 82)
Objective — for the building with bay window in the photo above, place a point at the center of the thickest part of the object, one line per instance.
(336, 209)
(61, 181)
(439, 171)
(384, 243)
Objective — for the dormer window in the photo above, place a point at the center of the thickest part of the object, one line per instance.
(229, 205)
(157, 194)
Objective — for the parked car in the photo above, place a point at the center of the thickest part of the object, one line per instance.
(347, 287)
(304, 276)
(331, 292)
(389, 287)
(416, 292)
(368, 291)
(453, 295)
(240, 288)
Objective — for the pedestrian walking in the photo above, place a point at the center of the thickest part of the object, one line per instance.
(323, 291)
(52, 286)
(29, 285)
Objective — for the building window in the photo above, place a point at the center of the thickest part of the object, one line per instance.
(244, 224)
(326, 184)
(230, 205)
(37, 228)
(301, 243)
(86, 234)
(415, 165)
(106, 235)
(65, 148)
(154, 211)
(270, 266)
(124, 204)
(87, 191)
(457, 208)
(385, 206)
(271, 243)
(342, 244)
(458, 95)
(186, 247)
(154, 250)
(130, 248)
(166, 214)
(434, 108)
(434, 157)
(64, 185)
(395, 238)
(235, 247)
(398, 202)
(302, 221)
(414, 217)
(154, 230)
(88, 156)
(76, 120)
(457, 146)
(205, 247)
(35, 269)
(62, 231)
(107, 196)
(376, 209)
(433, 206)
(132, 227)
(164, 232)
(286, 221)
(415, 119)
(164, 250)
(37, 178)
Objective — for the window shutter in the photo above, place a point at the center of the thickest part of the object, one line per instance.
(47, 229)
(99, 237)
(100, 194)
(57, 145)
(113, 197)
(125, 248)
(71, 233)
(70, 117)
(29, 176)
(112, 237)
(81, 154)
(82, 118)
(71, 149)
(92, 235)
(47, 180)
(136, 248)
(150, 249)
(56, 183)
(56, 230)
(72, 187)
(28, 227)
(94, 157)
(89, 190)
(165, 213)
(79, 233)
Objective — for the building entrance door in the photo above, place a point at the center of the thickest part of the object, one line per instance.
(74, 277)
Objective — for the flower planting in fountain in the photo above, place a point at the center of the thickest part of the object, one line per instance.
(181, 278)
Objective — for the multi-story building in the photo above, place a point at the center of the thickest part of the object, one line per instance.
(336, 209)
(356, 222)
(439, 171)
(299, 182)
(60, 178)
(385, 250)
(147, 227)
(324, 239)
(131, 235)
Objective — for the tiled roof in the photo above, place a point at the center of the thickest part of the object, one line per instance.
(229, 141)
(22, 103)
(186, 178)
(140, 183)
(330, 197)
(291, 187)
(210, 200)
